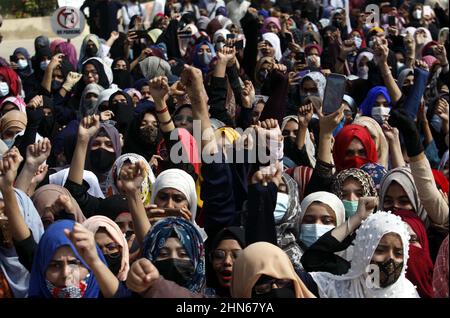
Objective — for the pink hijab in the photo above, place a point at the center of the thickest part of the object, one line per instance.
(98, 221)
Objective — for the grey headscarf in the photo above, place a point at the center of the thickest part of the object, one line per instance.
(403, 75)
(89, 109)
(154, 66)
(288, 228)
(404, 178)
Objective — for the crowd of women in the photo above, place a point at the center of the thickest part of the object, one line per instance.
(105, 193)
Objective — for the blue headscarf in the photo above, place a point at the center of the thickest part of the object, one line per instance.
(376, 171)
(29, 69)
(196, 60)
(369, 101)
(15, 273)
(189, 238)
(53, 239)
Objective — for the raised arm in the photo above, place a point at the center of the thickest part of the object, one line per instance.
(327, 125)
(393, 138)
(381, 54)
(159, 89)
(88, 128)
(48, 74)
(84, 242)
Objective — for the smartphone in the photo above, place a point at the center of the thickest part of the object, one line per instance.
(12, 58)
(239, 45)
(391, 20)
(334, 92)
(300, 57)
(231, 36)
(172, 212)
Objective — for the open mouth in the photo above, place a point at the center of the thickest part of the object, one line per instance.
(226, 275)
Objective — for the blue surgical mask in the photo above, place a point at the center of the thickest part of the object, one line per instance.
(281, 207)
(56, 85)
(350, 208)
(9, 142)
(205, 58)
(4, 89)
(23, 64)
(44, 64)
(310, 233)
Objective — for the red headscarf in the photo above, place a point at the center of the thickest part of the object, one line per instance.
(441, 181)
(343, 140)
(11, 78)
(308, 48)
(363, 38)
(420, 266)
(301, 174)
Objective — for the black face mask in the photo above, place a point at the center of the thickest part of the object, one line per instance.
(56, 85)
(91, 51)
(63, 215)
(285, 292)
(177, 270)
(122, 78)
(102, 160)
(46, 126)
(389, 272)
(406, 90)
(114, 262)
(149, 134)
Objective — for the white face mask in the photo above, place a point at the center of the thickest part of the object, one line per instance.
(313, 61)
(281, 206)
(4, 89)
(358, 41)
(44, 64)
(417, 14)
(400, 65)
(23, 64)
(363, 72)
(310, 233)
(380, 114)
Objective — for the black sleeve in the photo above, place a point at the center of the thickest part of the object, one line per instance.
(34, 118)
(299, 156)
(25, 251)
(321, 257)
(250, 27)
(309, 282)
(233, 79)
(217, 94)
(89, 204)
(260, 222)
(244, 120)
(170, 38)
(321, 178)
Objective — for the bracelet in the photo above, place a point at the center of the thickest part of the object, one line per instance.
(162, 110)
(166, 122)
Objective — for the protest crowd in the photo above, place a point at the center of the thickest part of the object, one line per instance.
(229, 149)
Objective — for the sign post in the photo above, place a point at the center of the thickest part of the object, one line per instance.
(68, 22)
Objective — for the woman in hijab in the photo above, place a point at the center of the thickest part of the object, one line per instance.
(261, 266)
(142, 135)
(91, 47)
(58, 270)
(377, 104)
(24, 69)
(12, 103)
(226, 246)
(361, 65)
(320, 212)
(353, 147)
(94, 70)
(271, 24)
(12, 125)
(273, 40)
(88, 101)
(154, 66)
(398, 192)
(420, 265)
(121, 106)
(69, 51)
(121, 73)
(378, 137)
(379, 237)
(350, 185)
(312, 84)
(112, 243)
(14, 275)
(440, 274)
(175, 248)
(9, 83)
(44, 200)
(203, 55)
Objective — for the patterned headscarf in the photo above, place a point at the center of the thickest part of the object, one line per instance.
(363, 177)
(146, 186)
(190, 239)
(320, 81)
(376, 171)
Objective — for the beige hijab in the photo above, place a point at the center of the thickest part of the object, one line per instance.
(263, 258)
(378, 137)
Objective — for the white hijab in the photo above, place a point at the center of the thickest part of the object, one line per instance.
(326, 198)
(181, 181)
(354, 283)
(274, 40)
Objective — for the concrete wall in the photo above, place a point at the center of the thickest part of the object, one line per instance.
(30, 28)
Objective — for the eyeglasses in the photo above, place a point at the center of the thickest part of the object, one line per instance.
(221, 255)
(266, 287)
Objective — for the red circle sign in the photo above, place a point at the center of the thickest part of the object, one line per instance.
(68, 18)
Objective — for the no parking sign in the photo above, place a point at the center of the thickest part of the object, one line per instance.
(68, 22)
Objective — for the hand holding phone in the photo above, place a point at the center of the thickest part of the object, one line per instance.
(334, 92)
